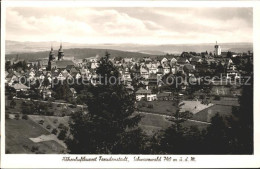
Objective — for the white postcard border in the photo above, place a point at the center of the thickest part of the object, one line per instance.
(52, 161)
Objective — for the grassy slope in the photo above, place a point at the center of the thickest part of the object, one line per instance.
(18, 133)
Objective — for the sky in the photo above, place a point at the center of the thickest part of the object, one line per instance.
(145, 25)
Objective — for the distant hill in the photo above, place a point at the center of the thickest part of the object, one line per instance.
(14, 47)
(79, 53)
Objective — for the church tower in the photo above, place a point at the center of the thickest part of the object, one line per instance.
(217, 49)
(51, 54)
(60, 53)
(51, 58)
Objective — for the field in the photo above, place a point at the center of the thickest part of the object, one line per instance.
(152, 123)
(206, 114)
(159, 107)
(18, 133)
(52, 121)
(59, 109)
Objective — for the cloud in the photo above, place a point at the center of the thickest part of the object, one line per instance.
(129, 25)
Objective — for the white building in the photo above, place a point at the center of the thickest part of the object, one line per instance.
(217, 50)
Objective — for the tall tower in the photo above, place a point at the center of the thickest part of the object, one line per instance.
(60, 53)
(217, 49)
(51, 54)
(51, 58)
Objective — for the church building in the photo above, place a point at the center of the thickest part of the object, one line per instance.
(58, 62)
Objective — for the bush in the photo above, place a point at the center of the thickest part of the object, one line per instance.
(150, 106)
(62, 135)
(143, 104)
(49, 113)
(25, 117)
(139, 106)
(48, 127)
(72, 106)
(60, 126)
(34, 148)
(202, 97)
(54, 131)
(17, 116)
(10, 97)
(55, 121)
(12, 104)
(217, 98)
(41, 122)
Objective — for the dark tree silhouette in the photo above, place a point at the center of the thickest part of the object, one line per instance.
(110, 126)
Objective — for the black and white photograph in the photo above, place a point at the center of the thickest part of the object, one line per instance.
(111, 80)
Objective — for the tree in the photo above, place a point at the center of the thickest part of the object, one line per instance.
(62, 90)
(25, 117)
(46, 82)
(62, 134)
(217, 136)
(110, 125)
(12, 104)
(242, 123)
(229, 54)
(173, 138)
(233, 135)
(54, 131)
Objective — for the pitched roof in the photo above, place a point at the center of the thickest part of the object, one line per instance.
(62, 64)
(195, 59)
(188, 67)
(143, 91)
(182, 60)
(19, 86)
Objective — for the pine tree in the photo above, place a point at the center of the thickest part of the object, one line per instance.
(110, 126)
(173, 140)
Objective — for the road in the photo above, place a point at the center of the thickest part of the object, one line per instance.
(167, 116)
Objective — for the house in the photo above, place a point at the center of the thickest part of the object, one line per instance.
(152, 81)
(195, 60)
(173, 62)
(182, 61)
(127, 60)
(46, 93)
(146, 94)
(142, 93)
(188, 69)
(151, 97)
(20, 87)
(164, 60)
(94, 64)
(165, 96)
(73, 92)
(61, 77)
(62, 64)
(166, 68)
(144, 72)
(130, 89)
(152, 67)
(233, 74)
(160, 69)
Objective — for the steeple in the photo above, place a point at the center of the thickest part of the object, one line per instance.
(60, 53)
(51, 55)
